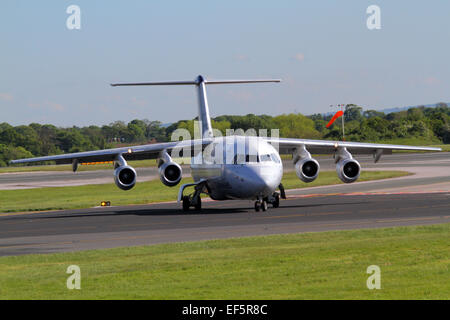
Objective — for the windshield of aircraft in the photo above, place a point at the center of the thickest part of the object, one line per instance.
(253, 158)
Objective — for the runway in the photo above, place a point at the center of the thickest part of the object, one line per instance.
(423, 198)
(160, 223)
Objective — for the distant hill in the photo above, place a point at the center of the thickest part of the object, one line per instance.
(390, 110)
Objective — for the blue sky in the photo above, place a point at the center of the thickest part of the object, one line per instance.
(323, 51)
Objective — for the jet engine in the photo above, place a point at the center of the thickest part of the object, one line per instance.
(348, 170)
(125, 177)
(307, 169)
(170, 173)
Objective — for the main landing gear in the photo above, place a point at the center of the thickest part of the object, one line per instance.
(192, 200)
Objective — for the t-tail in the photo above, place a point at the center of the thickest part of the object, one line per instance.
(203, 109)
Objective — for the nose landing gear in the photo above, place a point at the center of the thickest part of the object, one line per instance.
(262, 204)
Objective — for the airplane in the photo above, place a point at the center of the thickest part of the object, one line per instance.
(231, 167)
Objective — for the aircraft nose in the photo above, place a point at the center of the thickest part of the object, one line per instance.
(269, 181)
(251, 181)
(265, 182)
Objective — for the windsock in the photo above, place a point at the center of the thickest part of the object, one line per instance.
(337, 115)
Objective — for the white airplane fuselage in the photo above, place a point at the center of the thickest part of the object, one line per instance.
(244, 168)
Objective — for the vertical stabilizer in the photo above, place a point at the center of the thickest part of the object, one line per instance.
(203, 108)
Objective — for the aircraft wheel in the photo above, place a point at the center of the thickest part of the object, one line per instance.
(198, 205)
(257, 206)
(276, 202)
(264, 205)
(186, 203)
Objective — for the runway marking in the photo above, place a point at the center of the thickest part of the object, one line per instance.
(137, 224)
(288, 216)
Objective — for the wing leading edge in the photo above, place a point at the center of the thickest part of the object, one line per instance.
(149, 151)
(287, 145)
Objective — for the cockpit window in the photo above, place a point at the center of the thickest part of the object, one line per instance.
(252, 158)
(275, 158)
(265, 157)
(248, 158)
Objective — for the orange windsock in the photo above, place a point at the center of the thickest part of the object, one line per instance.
(337, 115)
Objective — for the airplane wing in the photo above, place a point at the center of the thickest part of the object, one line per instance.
(149, 151)
(288, 146)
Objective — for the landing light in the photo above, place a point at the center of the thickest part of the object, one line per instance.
(105, 203)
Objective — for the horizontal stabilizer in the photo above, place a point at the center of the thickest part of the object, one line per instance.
(240, 81)
(197, 81)
(200, 82)
(163, 83)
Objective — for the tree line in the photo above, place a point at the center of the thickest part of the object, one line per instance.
(424, 124)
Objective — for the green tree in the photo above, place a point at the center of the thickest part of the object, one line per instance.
(352, 112)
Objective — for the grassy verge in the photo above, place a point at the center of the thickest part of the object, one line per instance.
(290, 180)
(414, 263)
(60, 198)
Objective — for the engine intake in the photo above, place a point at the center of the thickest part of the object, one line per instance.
(348, 170)
(170, 173)
(307, 169)
(125, 177)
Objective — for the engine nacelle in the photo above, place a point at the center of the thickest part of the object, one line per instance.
(170, 173)
(348, 170)
(125, 177)
(307, 169)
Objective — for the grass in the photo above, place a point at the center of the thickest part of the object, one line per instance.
(290, 180)
(60, 198)
(414, 263)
